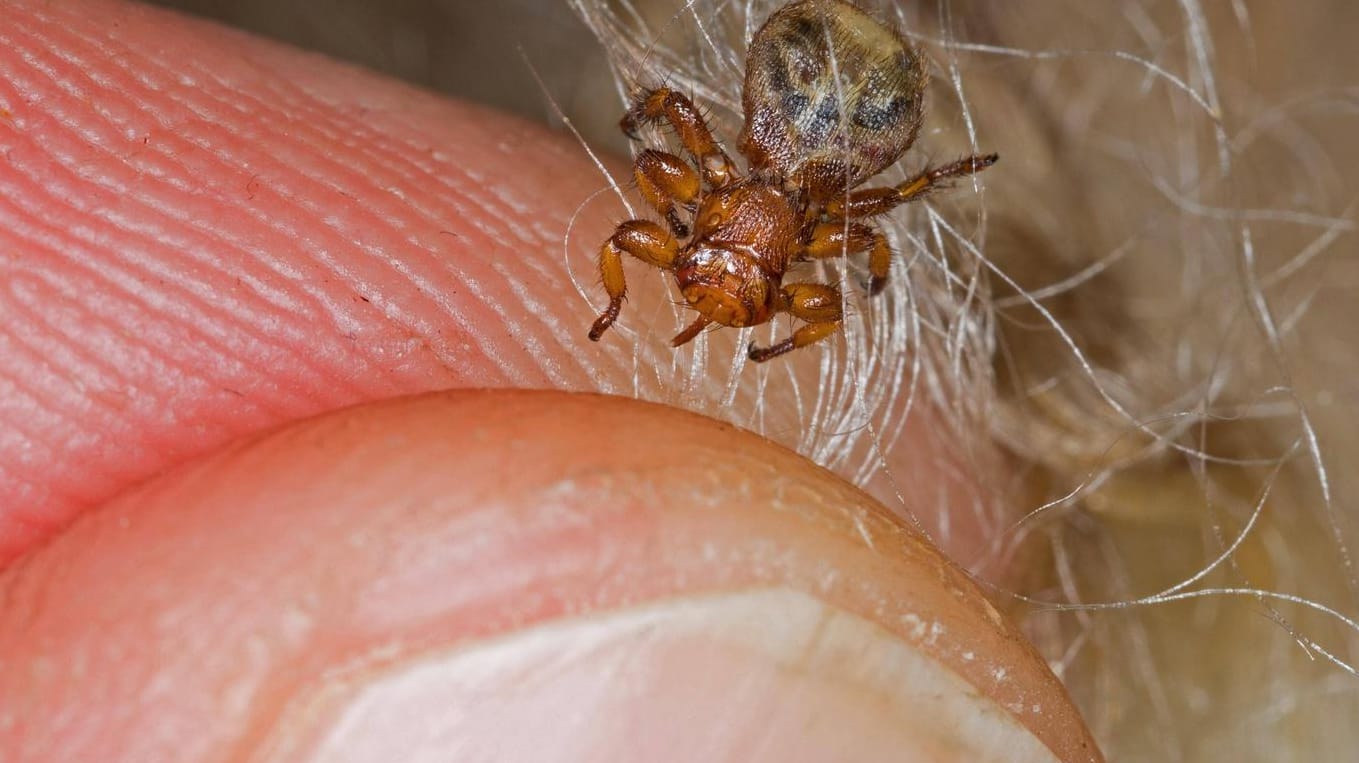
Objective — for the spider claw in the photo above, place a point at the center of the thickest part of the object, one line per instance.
(602, 324)
(629, 124)
(677, 225)
(761, 354)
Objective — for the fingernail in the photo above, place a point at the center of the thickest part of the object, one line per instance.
(770, 674)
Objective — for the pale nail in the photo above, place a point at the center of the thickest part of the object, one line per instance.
(756, 675)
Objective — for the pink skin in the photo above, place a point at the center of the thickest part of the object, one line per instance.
(202, 237)
(197, 245)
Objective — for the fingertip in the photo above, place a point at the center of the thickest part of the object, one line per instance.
(258, 598)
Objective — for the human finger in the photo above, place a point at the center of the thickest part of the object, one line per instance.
(461, 576)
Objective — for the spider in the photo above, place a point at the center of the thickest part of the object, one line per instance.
(831, 98)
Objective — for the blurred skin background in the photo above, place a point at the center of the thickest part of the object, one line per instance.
(466, 49)
(1225, 678)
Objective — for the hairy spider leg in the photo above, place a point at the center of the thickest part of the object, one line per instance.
(663, 103)
(870, 202)
(818, 305)
(665, 179)
(642, 239)
(835, 238)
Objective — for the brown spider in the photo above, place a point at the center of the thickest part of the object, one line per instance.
(805, 152)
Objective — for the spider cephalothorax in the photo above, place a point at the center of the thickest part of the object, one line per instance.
(832, 97)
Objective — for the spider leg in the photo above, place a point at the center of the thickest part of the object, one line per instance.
(665, 179)
(875, 201)
(816, 304)
(693, 330)
(663, 103)
(837, 238)
(642, 239)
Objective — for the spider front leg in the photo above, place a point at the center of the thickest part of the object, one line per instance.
(664, 179)
(816, 304)
(642, 239)
(875, 201)
(838, 238)
(663, 103)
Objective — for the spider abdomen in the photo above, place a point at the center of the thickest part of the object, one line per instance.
(831, 96)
